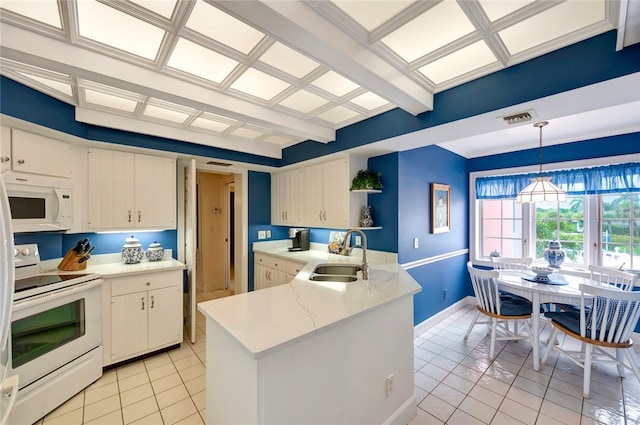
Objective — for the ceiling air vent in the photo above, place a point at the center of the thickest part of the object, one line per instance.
(221, 164)
(517, 118)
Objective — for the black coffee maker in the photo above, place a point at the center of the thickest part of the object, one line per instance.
(300, 238)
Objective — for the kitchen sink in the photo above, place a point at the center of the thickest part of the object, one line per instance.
(332, 278)
(335, 272)
(337, 269)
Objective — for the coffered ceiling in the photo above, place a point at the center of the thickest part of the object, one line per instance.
(258, 76)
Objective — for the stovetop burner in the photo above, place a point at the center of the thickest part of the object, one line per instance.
(38, 281)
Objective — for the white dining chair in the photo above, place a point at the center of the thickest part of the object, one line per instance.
(607, 324)
(499, 310)
(615, 277)
(605, 276)
(519, 264)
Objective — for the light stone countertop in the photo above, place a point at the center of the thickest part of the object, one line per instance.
(270, 319)
(111, 265)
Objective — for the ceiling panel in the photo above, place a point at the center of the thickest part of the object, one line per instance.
(278, 73)
(109, 26)
(438, 26)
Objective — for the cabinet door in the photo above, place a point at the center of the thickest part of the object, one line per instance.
(155, 192)
(260, 277)
(111, 189)
(40, 155)
(336, 193)
(314, 196)
(5, 148)
(277, 213)
(165, 316)
(128, 324)
(294, 201)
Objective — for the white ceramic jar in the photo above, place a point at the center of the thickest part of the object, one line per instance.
(132, 251)
(155, 252)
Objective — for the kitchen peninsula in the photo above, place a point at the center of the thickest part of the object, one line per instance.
(314, 352)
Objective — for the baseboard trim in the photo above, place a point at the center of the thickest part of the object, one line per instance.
(424, 326)
(404, 414)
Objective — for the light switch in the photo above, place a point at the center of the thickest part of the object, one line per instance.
(268, 234)
(262, 234)
(415, 243)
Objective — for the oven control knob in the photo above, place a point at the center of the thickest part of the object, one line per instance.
(15, 252)
(26, 252)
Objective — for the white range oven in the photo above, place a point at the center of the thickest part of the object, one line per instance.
(55, 345)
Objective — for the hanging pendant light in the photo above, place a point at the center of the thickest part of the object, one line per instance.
(541, 189)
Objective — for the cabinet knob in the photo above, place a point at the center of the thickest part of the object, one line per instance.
(148, 283)
(21, 161)
(4, 159)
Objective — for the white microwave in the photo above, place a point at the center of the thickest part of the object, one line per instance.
(39, 203)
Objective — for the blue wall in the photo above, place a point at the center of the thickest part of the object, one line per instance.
(417, 170)
(55, 245)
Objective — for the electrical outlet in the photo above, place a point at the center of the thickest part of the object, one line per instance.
(268, 234)
(389, 385)
(262, 234)
(358, 240)
(416, 244)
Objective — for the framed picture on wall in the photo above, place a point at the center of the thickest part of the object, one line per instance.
(440, 208)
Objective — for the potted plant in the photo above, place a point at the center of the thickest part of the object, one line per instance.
(367, 180)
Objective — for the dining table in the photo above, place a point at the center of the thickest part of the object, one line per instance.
(558, 289)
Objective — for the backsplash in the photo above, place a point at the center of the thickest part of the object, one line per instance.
(55, 245)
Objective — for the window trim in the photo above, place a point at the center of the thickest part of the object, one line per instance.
(528, 231)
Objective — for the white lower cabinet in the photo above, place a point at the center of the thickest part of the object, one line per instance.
(273, 271)
(145, 314)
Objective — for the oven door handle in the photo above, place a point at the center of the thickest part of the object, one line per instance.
(54, 295)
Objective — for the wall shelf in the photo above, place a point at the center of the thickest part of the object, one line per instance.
(366, 191)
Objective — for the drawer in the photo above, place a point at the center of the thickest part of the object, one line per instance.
(144, 282)
(271, 262)
(294, 268)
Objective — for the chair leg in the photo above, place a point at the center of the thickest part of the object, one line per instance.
(494, 331)
(587, 370)
(550, 344)
(620, 365)
(471, 325)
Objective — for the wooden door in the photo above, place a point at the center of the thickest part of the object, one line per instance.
(212, 231)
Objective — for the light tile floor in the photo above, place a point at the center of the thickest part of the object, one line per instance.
(455, 383)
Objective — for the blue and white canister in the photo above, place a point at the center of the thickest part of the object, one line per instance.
(554, 254)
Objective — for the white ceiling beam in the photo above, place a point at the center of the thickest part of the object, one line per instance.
(105, 119)
(37, 50)
(300, 27)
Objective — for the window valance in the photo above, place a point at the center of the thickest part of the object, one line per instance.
(579, 181)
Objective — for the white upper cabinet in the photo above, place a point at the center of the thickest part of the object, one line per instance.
(327, 194)
(128, 190)
(286, 197)
(31, 153)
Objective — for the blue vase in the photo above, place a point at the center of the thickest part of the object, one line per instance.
(554, 255)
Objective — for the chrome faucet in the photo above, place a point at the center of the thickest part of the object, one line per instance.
(347, 250)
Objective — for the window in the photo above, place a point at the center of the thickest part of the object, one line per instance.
(620, 230)
(501, 227)
(598, 224)
(564, 222)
